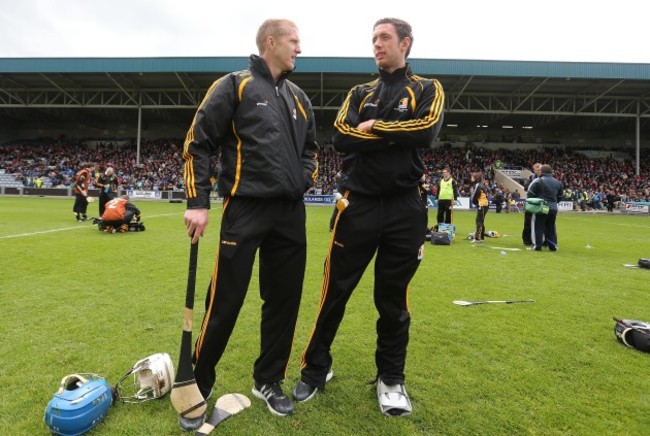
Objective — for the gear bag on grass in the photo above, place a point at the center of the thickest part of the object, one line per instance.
(644, 263)
(440, 238)
(633, 333)
(449, 229)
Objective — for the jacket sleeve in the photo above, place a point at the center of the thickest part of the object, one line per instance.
(210, 125)
(132, 207)
(477, 193)
(534, 188)
(347, 138)
(309, 156)
(423, 128)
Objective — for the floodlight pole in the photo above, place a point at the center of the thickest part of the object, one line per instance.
(137, 158)
(638, 138)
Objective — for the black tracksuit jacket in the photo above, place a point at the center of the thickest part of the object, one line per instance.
(233, 118)
(385, 215)
(409, 110)
(265, 131)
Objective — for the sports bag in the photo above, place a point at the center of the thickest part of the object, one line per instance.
(450, 229)
(536, 205)
(81, 403)
(440, 238)
(633, 333)
(644, 263)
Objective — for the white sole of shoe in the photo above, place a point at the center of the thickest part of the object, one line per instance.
(261, 396)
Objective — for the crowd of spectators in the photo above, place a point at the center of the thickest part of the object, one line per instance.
(587, 180)
(583, 176)
(159, 168)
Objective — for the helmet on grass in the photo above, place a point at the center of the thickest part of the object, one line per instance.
(152, 378)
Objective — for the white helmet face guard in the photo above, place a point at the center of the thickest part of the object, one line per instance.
(152, 378)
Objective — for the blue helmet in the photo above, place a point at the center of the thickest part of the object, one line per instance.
(79, 405)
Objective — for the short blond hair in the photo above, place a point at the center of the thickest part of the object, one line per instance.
(272, 27)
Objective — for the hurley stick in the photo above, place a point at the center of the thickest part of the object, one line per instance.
(186, 396)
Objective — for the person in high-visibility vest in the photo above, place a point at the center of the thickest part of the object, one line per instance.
(447, 195)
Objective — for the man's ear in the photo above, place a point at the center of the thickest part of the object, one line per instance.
(405, 43)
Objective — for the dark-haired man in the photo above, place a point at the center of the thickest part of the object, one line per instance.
(382, 128)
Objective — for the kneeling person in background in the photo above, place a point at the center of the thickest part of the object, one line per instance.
(118, 214)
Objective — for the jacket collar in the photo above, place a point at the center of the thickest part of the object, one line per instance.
(259, 66)
(399, 74)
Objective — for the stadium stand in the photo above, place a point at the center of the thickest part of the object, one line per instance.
(160, 168)
(123, 100)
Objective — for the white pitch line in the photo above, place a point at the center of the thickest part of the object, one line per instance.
(22, 235)
(41, 233)
(613, 223)
(503, 248)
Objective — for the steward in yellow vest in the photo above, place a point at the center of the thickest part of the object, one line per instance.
(447, 195)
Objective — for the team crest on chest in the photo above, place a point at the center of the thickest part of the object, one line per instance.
(403, 105)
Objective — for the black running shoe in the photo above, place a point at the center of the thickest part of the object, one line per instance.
(278, 403)
(305, 392)
(190, 424)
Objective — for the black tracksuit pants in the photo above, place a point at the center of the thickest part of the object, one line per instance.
(480, 223)
(103, 199)
(444, 211)
(526, 232)
(391, 229)
(543, 230)
(275, 227)
(80, 205)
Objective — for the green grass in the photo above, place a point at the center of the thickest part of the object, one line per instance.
(79, 300)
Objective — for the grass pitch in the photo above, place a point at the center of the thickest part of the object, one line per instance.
(79, 300)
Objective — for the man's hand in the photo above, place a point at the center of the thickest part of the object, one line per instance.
(196, 221)
(366, 126)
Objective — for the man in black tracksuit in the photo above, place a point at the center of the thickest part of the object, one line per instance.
(381, 127)
(263, 124)
(107, 184)
(543, 225)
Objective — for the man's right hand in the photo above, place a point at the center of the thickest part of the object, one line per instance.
(196, 221)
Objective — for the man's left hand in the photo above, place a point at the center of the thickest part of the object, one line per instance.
(366, 126)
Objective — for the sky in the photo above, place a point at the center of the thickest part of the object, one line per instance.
(524, 30)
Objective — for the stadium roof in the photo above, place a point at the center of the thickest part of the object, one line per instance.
(607, 98)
